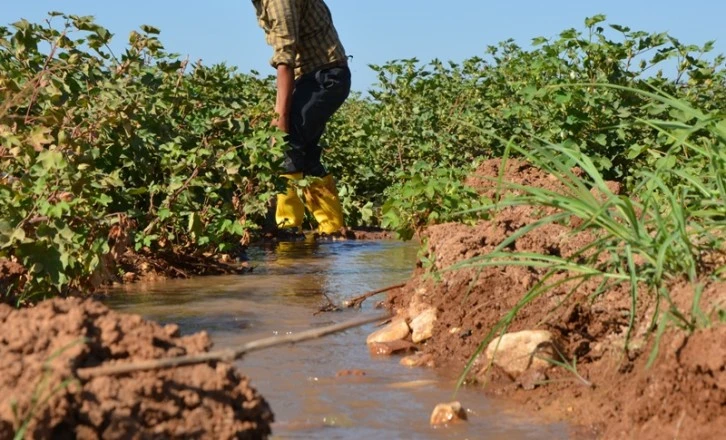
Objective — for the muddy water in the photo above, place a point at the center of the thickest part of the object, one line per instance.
(309, 400)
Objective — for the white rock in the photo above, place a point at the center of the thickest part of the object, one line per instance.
(418, 360)
(446, 413)
(395, 331)
(423, 325)
(517, 352)
(389, 348)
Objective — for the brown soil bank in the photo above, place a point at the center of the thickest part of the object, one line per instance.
(683, 395)
(42, 347)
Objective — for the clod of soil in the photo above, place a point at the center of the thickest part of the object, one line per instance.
(11, 278)
(42, 347)
(682, 396)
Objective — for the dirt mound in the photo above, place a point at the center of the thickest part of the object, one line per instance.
(11, 279)
(42, 347)
(683, 395)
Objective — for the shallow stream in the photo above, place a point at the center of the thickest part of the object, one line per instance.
(287, 286)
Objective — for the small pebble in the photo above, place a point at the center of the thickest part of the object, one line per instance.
(446, 413)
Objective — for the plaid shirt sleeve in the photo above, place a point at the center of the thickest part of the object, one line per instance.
(301, 33)
(284, 29)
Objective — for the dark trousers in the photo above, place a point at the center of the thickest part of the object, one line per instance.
(317, 95)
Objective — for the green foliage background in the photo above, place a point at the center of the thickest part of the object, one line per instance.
(91, 140)
(177, 156)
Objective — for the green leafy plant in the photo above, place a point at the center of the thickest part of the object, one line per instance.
(427, 196)
(568, 365)
(95, 146)
(145, 150)
(648, 240)
(453, 114)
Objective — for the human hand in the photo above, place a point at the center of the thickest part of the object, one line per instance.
(282, 123)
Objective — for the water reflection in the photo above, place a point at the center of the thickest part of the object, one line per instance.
(301, 382)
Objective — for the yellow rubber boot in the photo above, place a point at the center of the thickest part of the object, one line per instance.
(290, 211)
(322, 200)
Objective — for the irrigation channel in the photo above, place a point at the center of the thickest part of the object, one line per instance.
(302, 382)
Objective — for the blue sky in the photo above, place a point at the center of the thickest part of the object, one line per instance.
(374, 31)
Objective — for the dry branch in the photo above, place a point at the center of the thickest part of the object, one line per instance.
(227, 355)
(358, 300)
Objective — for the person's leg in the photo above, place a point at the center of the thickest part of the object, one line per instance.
(296, 142)
(321, 196)
(315, 99)
(306, 127)
(317, 96)
(290, 210)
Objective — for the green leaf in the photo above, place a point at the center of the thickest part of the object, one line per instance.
(51, 160)
(563, 98)
(64, 260)
(18, 235)
(39, 137)
(592, 21)
(164, 213)
(150, 29)
(620, 28)
(195, 226)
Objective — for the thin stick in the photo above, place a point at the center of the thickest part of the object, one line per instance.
(329, 307)
(227, 355)
(358, 300)
(36, 89)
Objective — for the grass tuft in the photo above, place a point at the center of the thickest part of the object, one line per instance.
(657, 235)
